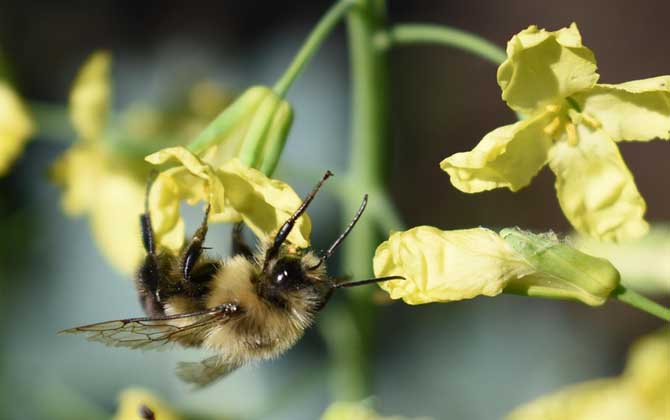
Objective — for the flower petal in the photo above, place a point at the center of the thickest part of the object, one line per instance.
(15, 127)
(544, 67)
(193, 181)
(235, 192)
(636, 110)
(596, 190)
(90, 97)
(76, 172)
(443, 266)
(263, 203)
(508, 156)
(114, 218)
(133, 401)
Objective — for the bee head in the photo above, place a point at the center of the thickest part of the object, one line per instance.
(290, 278)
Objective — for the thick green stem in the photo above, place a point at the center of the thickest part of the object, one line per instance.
(351, 347)
(638, 301)
(414, 33)
(312, 44)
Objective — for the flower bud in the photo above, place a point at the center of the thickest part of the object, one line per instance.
(253, 128)
(561, 271)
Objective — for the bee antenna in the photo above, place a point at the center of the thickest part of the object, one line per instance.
(366, 281)
(286, 228)
(344, 234)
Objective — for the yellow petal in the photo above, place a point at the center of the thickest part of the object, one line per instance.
(192, 182)
(443, 266)
(133, 401)
(264, 203)
(603, 399)
(77, 172)
(595, 188)
(114, 217)
(544, 67)
(112, 196)
(15, 126)
(90, 97)
(509, 156)
(235, 192)
(636, 110)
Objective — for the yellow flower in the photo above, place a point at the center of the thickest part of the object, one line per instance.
(16, 127)
(139, 404)
(235, 192)
(102, 175)
(572, 123)
(355, 411)
(444, 266)
(641, 393)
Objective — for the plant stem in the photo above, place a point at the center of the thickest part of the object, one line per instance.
(638, 301)
(414, 33)
(350, 344)
(312, 44)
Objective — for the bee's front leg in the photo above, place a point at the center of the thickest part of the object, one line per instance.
(240, 247)
(194, 249)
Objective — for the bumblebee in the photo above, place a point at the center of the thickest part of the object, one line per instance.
(250, 306)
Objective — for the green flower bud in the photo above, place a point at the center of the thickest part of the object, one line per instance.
(562, 272)
(253, 128)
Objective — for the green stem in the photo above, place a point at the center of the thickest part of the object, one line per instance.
(414, 33)
(312, 44)
(351, 344)
(638, 301)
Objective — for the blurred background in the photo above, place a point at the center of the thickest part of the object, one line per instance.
(474, 359)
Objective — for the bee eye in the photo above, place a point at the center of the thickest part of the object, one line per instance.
(287, 274)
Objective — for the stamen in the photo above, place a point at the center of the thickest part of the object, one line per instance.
(592, 122)
(571, 130)
(551, 128)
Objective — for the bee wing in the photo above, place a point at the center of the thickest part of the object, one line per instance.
(206, 371)
(153, 333)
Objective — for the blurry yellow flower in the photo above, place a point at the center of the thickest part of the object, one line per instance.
(644, 264)
(355, 411)
(111, 193)
(139, 404)
(234, 191)
(102, 176)
(91, 96)
(444, 266)
(16, 126)
(641, 393)
(572, 123)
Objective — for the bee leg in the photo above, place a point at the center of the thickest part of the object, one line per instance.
(148, 276)
(240, 246)
(194, 249)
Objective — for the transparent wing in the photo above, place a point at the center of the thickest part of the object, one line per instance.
(206, 371)
(153, 333)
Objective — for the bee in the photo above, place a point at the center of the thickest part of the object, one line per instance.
(250, 306)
